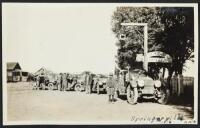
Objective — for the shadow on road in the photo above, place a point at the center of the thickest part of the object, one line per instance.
(188, 110)
(124, 98)
(182, 100)
(174, 100)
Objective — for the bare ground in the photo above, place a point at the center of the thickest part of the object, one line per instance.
(25, 104)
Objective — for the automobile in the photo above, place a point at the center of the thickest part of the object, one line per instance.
(51, 83)
(48, 82)
(79, 83)
(99, 84)
(138, 83)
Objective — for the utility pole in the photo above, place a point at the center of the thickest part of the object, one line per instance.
(145, 63)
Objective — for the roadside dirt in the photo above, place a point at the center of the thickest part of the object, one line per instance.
(25, 104)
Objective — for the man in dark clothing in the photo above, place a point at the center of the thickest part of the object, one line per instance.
(41, 80)
(89, 81)
(64, 81)
(110, 88)
(61, 81)
(67, 83)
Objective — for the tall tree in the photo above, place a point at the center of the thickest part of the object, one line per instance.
(177, 39)
(133, 44)
(170, 30)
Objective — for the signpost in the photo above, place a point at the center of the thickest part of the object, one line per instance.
(156, 57)
(145, 64)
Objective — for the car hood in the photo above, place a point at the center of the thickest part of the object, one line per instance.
(103, 80)
(148, 81)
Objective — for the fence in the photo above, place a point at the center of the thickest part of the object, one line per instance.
(182, 85)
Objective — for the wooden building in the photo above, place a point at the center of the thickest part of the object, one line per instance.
(15, 73)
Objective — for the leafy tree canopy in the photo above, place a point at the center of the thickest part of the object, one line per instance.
(169, 30)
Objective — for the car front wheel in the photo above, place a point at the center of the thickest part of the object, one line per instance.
(164, 96)
(132, 95)
(77, 87)
(50, 85)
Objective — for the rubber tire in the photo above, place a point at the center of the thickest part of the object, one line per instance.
(77, 88)
(34, 86)
(132, 99)
(50, 86)
(165, 98)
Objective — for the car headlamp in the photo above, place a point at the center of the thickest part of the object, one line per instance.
(140, 83)
(133, 83)
(157, 83)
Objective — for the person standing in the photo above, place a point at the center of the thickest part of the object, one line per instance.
(86, 82)
(38, 82)
(67, 83)
(70, 82)
(61, 81)
(58, 81)
(91, 81)
(41, 80)
(110, 88)
(64, 81)
(95, 84)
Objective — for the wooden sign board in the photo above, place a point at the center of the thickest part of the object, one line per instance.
(155, 57)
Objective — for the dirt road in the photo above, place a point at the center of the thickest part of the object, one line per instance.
(25, 104)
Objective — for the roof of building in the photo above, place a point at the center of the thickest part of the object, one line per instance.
(44, 70)
(13, 65)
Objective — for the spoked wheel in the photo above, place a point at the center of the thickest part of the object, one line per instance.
(132, 95)
(50, 86)
(77, 88)
(34, 86)
(164, 96)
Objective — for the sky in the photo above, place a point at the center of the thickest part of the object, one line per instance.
(60, 37)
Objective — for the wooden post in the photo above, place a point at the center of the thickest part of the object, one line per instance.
(180, 85)
(145, 48)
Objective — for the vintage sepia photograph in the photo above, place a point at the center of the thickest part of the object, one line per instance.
(105, 63)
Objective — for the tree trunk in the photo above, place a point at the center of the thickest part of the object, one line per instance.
(169, 79)
(180, 69)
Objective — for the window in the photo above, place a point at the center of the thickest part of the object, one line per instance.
(9, 73)
(16, 73)
(24, 73)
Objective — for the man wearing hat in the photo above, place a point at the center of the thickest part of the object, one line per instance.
(110, 88)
